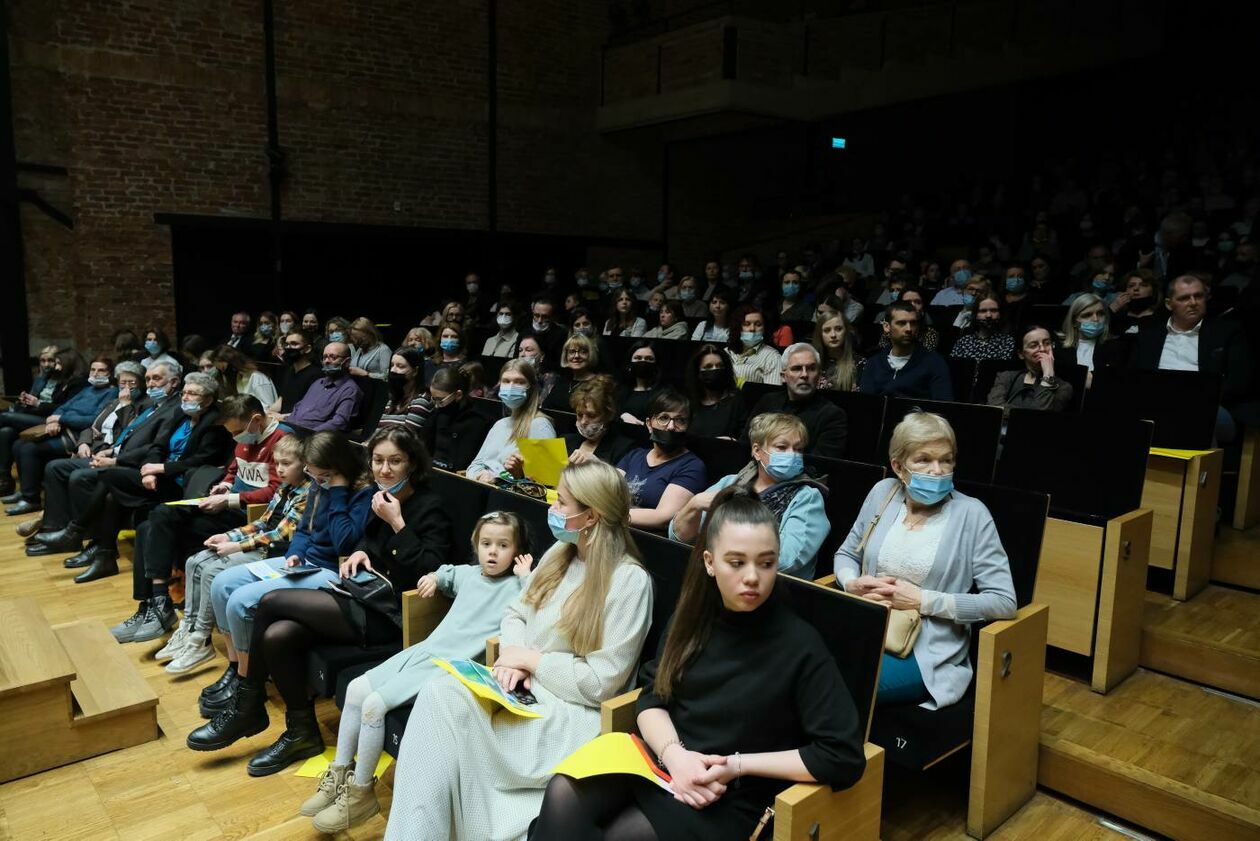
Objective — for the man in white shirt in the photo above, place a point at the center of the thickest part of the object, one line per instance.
(951, 295)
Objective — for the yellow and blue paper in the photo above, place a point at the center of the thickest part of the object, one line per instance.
(482, 683)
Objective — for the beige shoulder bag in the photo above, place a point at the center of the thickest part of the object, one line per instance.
(903, 625)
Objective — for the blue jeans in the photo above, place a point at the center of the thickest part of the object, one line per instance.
(900, 682)
(236, 592)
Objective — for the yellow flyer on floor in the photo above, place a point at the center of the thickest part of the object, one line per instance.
(317, 765)
(482, 683)
(614, 753)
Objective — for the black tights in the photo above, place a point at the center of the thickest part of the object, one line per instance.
(288, 624)
(594, 809)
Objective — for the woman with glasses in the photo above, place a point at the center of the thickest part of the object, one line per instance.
(664, 476)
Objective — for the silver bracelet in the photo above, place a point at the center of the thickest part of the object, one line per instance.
(660, 754)
(739, 768)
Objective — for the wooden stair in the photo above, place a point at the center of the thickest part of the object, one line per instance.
(1164, 754)
(1213, 639)
(66, 693)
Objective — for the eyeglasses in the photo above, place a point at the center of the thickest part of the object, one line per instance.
(666, 421)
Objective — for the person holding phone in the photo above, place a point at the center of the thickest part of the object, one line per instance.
(407, 535)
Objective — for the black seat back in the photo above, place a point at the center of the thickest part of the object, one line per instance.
(963, 373)
(864, 419)
(1020, 518)
(848, 483)
(977, 428)
(532, 511)
(720, 457)
(1182, 404)
(751, 393)
(666, 561)
(465, 501)
(1092, 466)
(564, 422)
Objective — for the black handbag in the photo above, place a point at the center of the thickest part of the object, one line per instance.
(372, 590)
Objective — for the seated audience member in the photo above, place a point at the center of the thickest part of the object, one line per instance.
(369, 356)
(421, 338)
(672, 323)
(157, 348)
(450, 350)
(595, 407)
(338, 504)
(717, 410)
(407, 536)
(753, 360)
(172, 532)
(296, 375)
(332, 400)
(824, 420)
(572, 302)
(581, 323)
(239, 335)
(64, 374)
(239, 374)
(503, 342)
(1087, 339)
(792, 304)
(311, 330)
(643, 379)
(951, 295)
(337, 330)
(694, 308)
(456, 429)
(127, 346)
(1033, 386)
(287, 323)
(665, 475)
(205, 363)
(346, 795)
(717, 328)
(264, 338)
(61, 431)
(529, 350)
(268, 536)
(986, 336)
(1017, 295)
(1190, 341)
(914, 528)
(408, 405)
(1140, 301)
(836, 343)
(622, 320)
(928, 337)
(73, 492)
(518, 389)
(776, 475)
(476, 374)
(729, 754)
(188, 440)
(907, 369)
(549, 335)
(579, 360)
(572, 639)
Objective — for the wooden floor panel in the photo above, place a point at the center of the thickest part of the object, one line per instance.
(1213, 639)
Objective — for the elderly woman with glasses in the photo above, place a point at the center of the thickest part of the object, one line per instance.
(665, 475)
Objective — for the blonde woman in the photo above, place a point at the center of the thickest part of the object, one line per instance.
(1087, 338)
(579, 360)
(369, 356)
(834, 340)
(518, 389)
(572, 639)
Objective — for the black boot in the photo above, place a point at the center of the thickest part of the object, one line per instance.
(82, 559)
(104, 564)
(24, 506)
(217, 697)
(301, 739)
(69, 539)
(246, 717)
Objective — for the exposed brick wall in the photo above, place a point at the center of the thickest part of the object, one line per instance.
(383, 111)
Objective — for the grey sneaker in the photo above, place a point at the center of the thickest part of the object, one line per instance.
(125, 631)
(196, 651)
(159, 619)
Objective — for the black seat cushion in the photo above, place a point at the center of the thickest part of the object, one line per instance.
(913, 737)
(395, 726)
(324, 664)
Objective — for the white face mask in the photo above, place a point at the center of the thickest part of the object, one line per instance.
(504, 321)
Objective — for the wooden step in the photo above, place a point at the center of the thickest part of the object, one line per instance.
(31, 658)
(1161, 753)
(1213, 639)
(108, 684)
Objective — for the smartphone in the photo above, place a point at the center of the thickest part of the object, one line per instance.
(523, 696)
(363, 576)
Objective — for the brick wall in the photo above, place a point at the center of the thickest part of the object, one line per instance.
(383, 113)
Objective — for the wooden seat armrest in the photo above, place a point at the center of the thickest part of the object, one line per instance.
(852, 814)
(616, 715)
(492, 651)
(254, 511)
(827, 581)
(420, 616)
(1010, 673)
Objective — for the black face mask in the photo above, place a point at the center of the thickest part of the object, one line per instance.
(711, 378)
(669, 440)
(643, 370)
(397, 382)
(1138, 304)
(292, 354)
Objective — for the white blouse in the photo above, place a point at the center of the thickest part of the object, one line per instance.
(909, 554)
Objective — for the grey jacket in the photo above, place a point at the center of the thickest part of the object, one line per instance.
(970, 556)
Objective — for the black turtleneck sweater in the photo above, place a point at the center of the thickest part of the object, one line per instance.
(764, 682)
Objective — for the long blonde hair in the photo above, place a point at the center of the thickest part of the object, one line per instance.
(523, 415)
(597, 486)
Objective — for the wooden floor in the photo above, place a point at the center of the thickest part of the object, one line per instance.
(1213, 639)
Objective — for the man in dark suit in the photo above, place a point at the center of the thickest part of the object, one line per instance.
(826, 422)
(239, 338)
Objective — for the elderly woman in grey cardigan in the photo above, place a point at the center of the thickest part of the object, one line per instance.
(930, 547)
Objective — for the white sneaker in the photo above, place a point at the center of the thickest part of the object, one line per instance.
(196, 651)
(177, 641)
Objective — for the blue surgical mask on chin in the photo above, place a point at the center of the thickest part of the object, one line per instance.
(927, 489)
(392, 489)
(158, 392)
(557, 522)
(783, 466)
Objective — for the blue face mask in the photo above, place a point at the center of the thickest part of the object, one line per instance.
(556, 521)
(336, 336)
(928, 489)
(791, 290)
(513, 396)
(1015, 285)
(783, 466)
(98, 381)
(660, 277)
(1100, 286)
(750, 339)
(968, 300)
(247, 437)
(157, 392)
(894, 295)
(961, 277)
(1092, 329)
(311, 476)
(264, 329)
(152, 347)
(687, 295)
(745, 275)
(190, 407)
(392, 489)
(449, 345)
